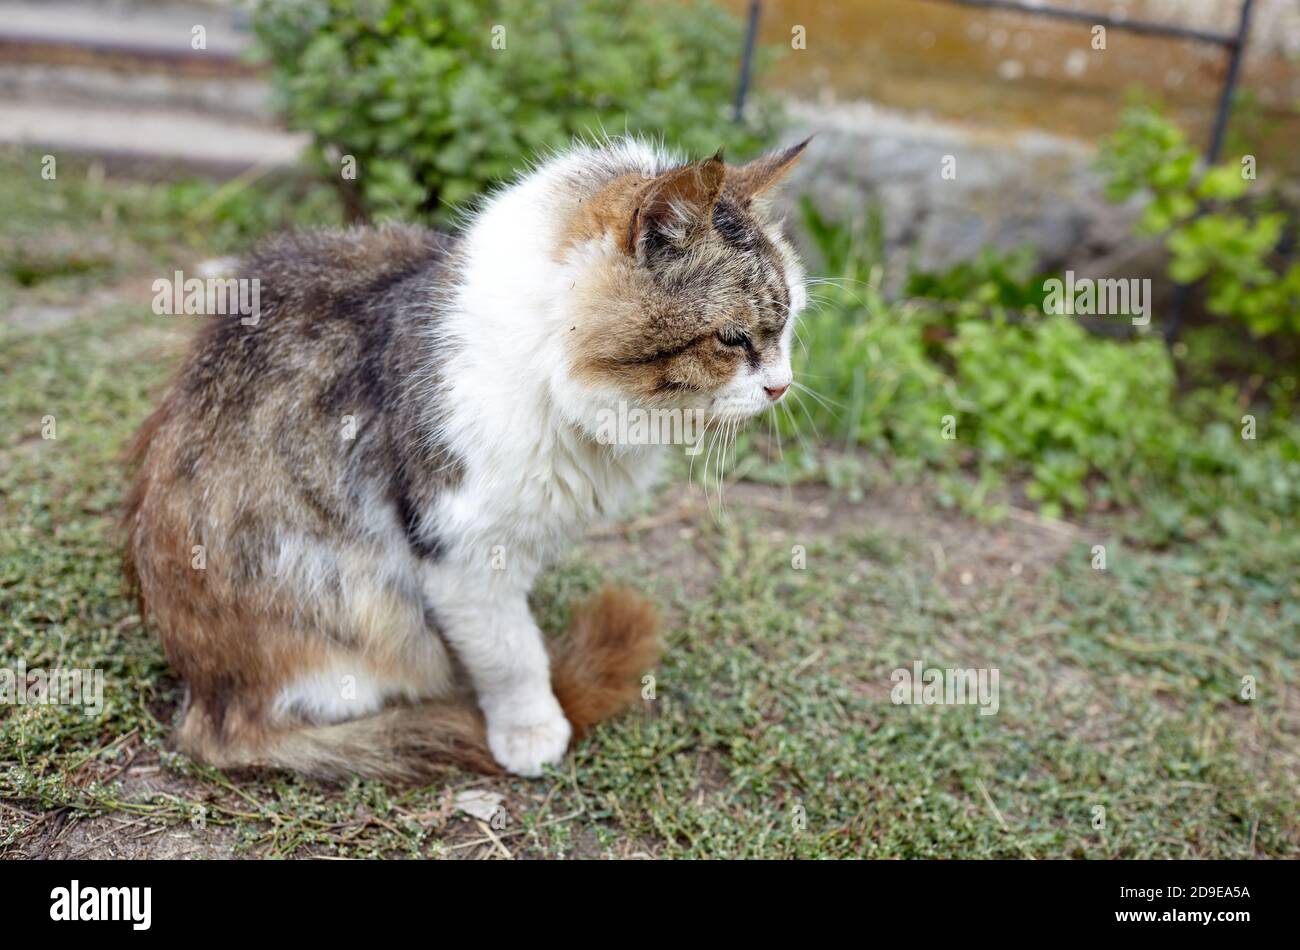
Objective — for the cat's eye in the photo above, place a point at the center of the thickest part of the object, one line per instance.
(735, 338)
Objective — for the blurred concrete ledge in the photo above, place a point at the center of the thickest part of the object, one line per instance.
(54, 85)
(20, 47)
(121, 80)
(206, 142)
(157, 28)
(1010, 189)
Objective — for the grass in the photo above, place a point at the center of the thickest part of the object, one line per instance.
(771, 732)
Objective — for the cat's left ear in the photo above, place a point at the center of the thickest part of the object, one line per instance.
(679, 203)
(756, 177)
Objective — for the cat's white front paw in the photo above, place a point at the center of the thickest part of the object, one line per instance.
(524, 744)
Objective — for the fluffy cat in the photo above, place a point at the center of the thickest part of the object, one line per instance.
(338, 511)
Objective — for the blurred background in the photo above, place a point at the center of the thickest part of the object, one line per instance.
(967, 152)
(953, 461)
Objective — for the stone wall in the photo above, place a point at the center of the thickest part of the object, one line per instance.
(1010, 189)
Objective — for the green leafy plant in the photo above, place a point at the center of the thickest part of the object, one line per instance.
(1216, 230)
(434, 101)
(1086, 417)
(867, 356)
(992, 278)
(1080, 421)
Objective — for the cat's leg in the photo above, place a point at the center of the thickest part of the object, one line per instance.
(486, 621)
(366, 639)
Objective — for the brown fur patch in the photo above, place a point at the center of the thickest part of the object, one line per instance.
(608, 211)
(596, 669)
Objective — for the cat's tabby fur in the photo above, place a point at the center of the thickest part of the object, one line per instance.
(338, 512)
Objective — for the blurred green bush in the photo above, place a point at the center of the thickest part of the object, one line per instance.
(1219, 224)
(436, 100)
(1078, 420)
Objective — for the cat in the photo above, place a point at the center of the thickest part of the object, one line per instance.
(339, 509)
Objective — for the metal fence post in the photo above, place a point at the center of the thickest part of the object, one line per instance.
(1230, 83)
(747, 60)
(1183, 291)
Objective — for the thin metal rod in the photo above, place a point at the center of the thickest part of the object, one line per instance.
(747, 60)
(1182, 292)
(1102, 19)
(1230, 84)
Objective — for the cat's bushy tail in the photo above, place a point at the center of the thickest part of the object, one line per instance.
(595, 672)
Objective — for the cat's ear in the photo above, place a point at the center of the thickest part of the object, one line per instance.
(756, 177)
(679, 203)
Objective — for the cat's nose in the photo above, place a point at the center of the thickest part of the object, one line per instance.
(775, 392)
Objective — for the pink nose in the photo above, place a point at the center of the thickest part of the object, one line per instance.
(775, 392)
